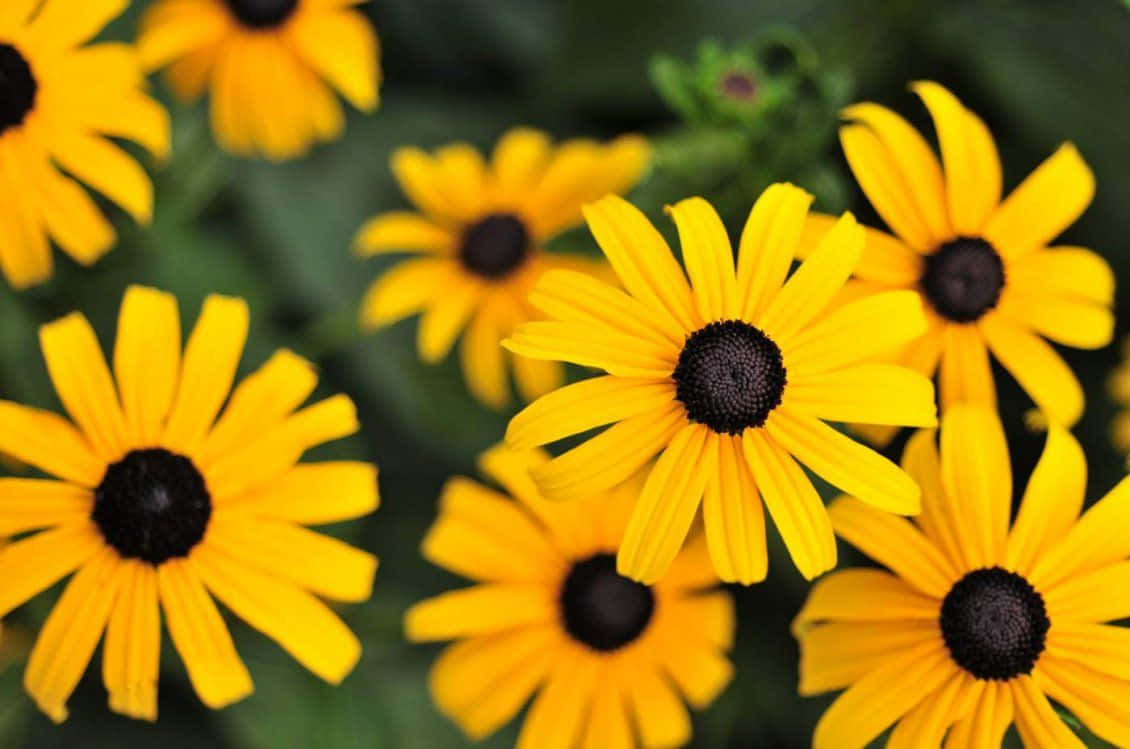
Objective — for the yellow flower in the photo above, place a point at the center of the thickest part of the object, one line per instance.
(481, 233)
(269, 64)
(1119, 387)
(159, 504)
(984, 270)
(975, 623)
(728, 377)
(608, 657)
(60, 102)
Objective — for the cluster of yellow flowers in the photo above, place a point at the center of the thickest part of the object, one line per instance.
(596, 575)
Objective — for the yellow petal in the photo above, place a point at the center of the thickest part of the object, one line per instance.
(1044, 205)
(987, 720)
(481, 610)
(734, 518)
(342, 47)
(37, 562)
(864, 595)
(642, 260)
(200, 636)
(586, 405)
(793, 503)
(519, 158)
(611, 457)
(895, 543)
(667, 505)
(107, 168)
(1072, 595)
(535, 377)
(210, 360)
(768, 244)
(709, 258)
(857, 331)
(926, 725)
(445, 317)
(609, 726)
(838, 654)
(25, 253)
(74, 221)
(83, 382)
(314, 561)
(1051, 502)
(973, 169)
(1098, 700)
(885, 186)
(300, 623)
(879, 699)
(977, 477)
(1095, 541)
(482, 535)
(132, 651)
(483, 359)
(884, 260)
(1039, 369)
(911, 156)
(31, 504)
(300, 495)
(400, 231)
(15, 13)
(173, 30)
(1037, 721)
(1072, 272)
(592, 346)
(556, 717)
(50, 443)
(1098, 647)
(71, 633)
(661, 717)
(420, 179)
(845, 463)
(964, 375)
(865, 394)
(922, 463)
(60, 24)
(1070, 322)
(147, 360)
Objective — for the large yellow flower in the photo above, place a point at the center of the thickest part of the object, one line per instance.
(60, 101)
(975, 623)
(728, 377)
(269, 65)
(982, 266)
(609, 657)
(481, 233)
(159, 504)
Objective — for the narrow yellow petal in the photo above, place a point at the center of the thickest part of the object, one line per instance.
(864, 595)
(865, 394)
(401, 231)
(838, 654)
(519, 158)
(445, 317)
(147, 360)
(300, 495)
(481, 610)
(768, 245)
(734, 518)
(49, 442)
(1069, 322)
(964, 375)
(1101, 702)
(31, 504)
(1036, 720)
(132, 651)
(342, 47)
(483, 359)
(884, 260)
(661, 717)
(556, 717)
(709, 258)
(1072, 272)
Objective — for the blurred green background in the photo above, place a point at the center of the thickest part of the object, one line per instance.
(1038, 72)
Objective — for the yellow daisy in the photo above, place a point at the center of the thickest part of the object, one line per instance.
(160, 505)
(729, 377)
(976, 624)
(60, 102)
(982, 266)
(481, 231)
(269, 64)
(608, 657)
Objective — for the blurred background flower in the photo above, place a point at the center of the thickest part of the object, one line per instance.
(280, 236)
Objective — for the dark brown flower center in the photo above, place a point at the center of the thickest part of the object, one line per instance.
(152, 505)
(737, 85)
(729, 376)
(963, 279)
(262, 14)
(601, 608)
(994, 624)
(17, 87)
(495, 246)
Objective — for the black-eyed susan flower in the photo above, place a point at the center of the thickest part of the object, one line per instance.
(610, 659)
(61, 100)
(729, 377)
(978, 621)
(160, 506)
(982, 265)
(269, 66)
(480, 232)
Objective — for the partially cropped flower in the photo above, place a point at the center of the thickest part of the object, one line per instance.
(610, 660)
(480, 235)
(729, 377)
(269, 65)
(1120, 392)
(60, 103)
(979, 621)
(982, 266)
(159, 505)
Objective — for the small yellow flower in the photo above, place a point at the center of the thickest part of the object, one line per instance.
(976, 624)
(729, 377)
(982, 265)
(60, 102)
(160, 505)
(481, 232)
(608, 657)
(269, 65)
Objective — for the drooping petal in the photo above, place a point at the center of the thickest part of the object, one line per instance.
(734, 518)
(132, 651)
(1044, 205)
(667, 505)
(555, 718)
(661, 717)
(483, 359)
(987, 719)
(1039, 369)
(709, 258)
(793, 503)
(342, 47)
